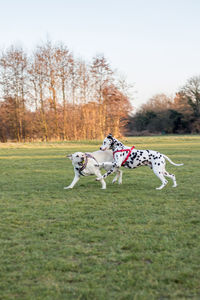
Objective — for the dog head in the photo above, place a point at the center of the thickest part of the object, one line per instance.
(108, 143)
(77, 158)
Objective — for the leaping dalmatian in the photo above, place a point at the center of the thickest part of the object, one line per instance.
(129, 157)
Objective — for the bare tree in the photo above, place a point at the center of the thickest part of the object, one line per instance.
(117, 109)
(84, 93)
(52, 95)
(157, 103)
(13, 65)
(181, 104)
(191, 91)
(37, 77)
(65, 63)
(102, 77)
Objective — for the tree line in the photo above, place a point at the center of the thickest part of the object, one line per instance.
(51, 95)
(163, 114)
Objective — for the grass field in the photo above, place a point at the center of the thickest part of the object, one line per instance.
(127, 242)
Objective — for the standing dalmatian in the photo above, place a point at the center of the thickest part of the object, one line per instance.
(132, 158)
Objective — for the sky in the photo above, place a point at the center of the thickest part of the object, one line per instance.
(155, 44)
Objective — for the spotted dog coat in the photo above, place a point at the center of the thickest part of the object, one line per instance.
(137, 158)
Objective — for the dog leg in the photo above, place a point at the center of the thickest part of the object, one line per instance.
(105, 165)
(107, 173)
(100, 178)
(172, 176)
(118, 177)
(108, 166)
(103, 183)
(75, 180)
(115, 178)
(114, 168)
(160, 175)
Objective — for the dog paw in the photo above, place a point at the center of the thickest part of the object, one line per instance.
(67, 187)
(160, 188)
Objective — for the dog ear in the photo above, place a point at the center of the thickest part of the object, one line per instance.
(109, 136)
(69, 156)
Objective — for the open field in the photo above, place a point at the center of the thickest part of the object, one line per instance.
(127, 242)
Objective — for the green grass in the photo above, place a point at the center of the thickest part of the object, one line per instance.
(127, 242)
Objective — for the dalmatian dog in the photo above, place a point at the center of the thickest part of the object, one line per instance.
(132, 158)
(89, 164)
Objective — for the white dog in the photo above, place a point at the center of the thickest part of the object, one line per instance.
(88, 164)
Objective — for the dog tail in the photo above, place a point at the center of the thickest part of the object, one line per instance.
(178, 165)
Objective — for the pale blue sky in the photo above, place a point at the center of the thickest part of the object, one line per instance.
(155, 43)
